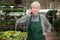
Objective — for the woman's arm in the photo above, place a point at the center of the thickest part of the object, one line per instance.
(47, 24)
(22, 20)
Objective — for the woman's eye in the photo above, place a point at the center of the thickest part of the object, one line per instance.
(33, 7)
(36, 7)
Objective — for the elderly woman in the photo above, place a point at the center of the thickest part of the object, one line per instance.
(37, 25)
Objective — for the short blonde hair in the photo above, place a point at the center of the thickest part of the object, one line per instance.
(35, 3)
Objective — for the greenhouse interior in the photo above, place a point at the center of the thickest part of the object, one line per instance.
(12, 10)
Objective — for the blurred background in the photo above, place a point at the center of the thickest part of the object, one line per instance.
(11, 10)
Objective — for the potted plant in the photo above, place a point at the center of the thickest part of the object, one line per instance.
(57, 24)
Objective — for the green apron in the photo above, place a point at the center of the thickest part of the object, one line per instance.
(35, 31)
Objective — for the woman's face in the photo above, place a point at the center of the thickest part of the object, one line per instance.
(35, 9)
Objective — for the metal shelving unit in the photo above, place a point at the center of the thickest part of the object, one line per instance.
(7, 22)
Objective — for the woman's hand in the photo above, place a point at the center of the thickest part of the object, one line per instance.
(29, 12)
(45, 33)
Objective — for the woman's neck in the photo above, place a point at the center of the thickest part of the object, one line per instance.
(35, 14)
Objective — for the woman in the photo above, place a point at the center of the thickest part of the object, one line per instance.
(37, 25)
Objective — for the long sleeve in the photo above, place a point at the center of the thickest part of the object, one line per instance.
(22, 20)
(47, 24)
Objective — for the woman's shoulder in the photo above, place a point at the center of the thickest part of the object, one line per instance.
(41, 15)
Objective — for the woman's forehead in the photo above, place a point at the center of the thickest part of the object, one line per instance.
(36, 6)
